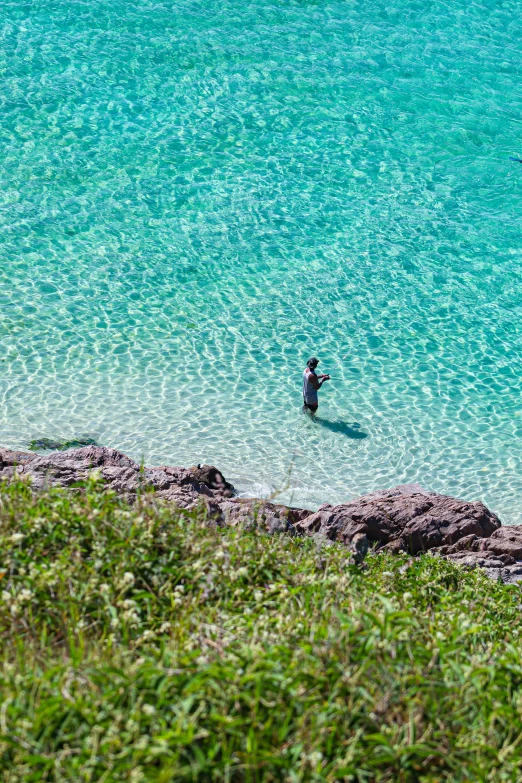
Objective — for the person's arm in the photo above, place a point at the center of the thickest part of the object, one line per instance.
(315, 382)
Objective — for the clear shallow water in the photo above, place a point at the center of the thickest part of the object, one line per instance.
(196, 196)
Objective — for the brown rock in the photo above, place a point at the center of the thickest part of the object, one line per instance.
(406, 518)
(269, 516)
(202, 476)
(483, 558)
(203, 486)
(501, 568)
(506, 541)
(502, 549)
(63, 468)
(122, 474)
(10, 458)
(359, 548)
(471, 543)
(211, 477)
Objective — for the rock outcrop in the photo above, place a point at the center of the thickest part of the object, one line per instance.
(406, 518)
(498, 567)
(504, 542)
(500, 553)
(272, 517)
(9, 458)
(411, 519)
(124, 475)
(186, 488)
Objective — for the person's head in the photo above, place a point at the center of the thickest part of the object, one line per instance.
(312, 363)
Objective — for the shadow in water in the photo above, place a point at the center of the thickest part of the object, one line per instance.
(350, 430)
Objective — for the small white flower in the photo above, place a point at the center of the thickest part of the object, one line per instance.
(407, 597)
(258, 595)
(128, 578)
(136, 775)
(24, 595)
(148, 709)
(7, 597)
(131, 616)
(104, 588)
(17, 537)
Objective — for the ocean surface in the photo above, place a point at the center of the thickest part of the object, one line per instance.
(197, 196)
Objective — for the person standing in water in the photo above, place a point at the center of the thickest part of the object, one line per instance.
(311, 385)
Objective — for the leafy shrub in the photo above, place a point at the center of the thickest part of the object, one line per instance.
(144, 644)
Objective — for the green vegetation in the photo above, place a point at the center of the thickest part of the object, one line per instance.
(144, 645)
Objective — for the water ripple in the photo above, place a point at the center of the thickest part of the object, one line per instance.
(194, 197)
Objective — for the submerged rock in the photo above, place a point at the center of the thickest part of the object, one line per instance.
(48, 444)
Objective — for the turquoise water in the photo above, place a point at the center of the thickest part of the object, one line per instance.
(196, 196)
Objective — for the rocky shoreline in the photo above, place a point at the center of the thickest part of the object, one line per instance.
(404, 519)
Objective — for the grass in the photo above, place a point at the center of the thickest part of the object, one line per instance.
(142, 644)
